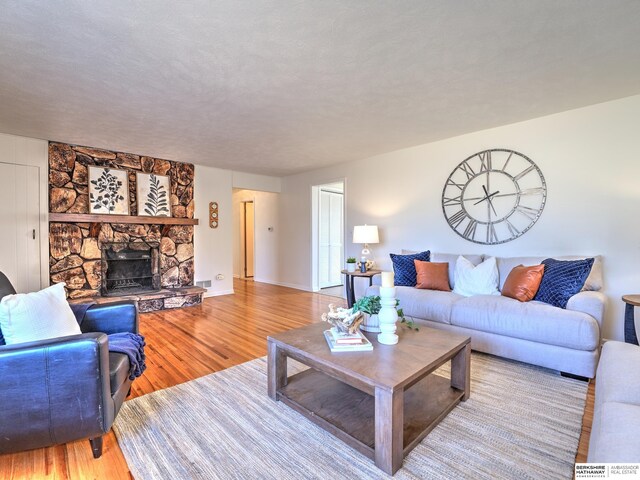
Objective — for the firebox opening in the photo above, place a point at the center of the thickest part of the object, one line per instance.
(130, 268)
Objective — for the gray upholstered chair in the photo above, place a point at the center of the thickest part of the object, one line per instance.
(64, 389)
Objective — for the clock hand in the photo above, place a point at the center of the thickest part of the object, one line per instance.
(486, 195)
(482, 199)
(491, 203)
(488, 198)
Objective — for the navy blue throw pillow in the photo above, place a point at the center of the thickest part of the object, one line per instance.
(405, 270)
(562, 279)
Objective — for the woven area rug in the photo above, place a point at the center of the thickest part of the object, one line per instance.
(521, 422)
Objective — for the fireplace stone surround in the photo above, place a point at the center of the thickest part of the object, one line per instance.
(76, 248)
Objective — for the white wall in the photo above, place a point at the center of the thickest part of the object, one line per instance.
(590, 159)
(266, 243)
(251, 181)
(212, 246)
(33, 152)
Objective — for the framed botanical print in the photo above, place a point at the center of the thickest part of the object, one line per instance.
(153, 195)
(108, 191)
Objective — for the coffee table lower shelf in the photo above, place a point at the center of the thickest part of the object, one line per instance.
(349, 413)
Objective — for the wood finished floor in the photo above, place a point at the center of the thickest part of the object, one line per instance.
(189, 343)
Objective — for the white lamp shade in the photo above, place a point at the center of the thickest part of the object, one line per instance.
(365, 234)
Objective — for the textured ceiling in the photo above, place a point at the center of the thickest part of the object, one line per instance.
(280, 87)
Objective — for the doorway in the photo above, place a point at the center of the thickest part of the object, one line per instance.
(248, 238)
(328, 248)
(20, 219)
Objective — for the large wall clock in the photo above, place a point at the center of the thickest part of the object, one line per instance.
(494, 196)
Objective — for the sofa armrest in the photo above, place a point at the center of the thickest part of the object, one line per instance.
(117, 317)
(54, 391)
(589, 302)
(376, 279)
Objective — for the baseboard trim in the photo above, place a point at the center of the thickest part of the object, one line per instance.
(284, 284)
(218, 293)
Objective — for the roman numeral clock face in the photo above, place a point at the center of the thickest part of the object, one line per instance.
(494, 196)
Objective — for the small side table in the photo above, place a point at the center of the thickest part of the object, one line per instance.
(349, 276)
(630, 335)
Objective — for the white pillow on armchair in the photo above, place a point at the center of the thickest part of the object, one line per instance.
(29, 317)
(476, 280)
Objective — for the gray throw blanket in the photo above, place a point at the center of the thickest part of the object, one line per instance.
(131, 344)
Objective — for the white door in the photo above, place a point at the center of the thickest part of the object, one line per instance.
(330, 230)
(19, 224)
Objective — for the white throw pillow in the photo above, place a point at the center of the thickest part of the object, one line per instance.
(29, 317)
(476, 280)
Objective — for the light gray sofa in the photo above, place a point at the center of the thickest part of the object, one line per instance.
(532, 332)
(616, 416)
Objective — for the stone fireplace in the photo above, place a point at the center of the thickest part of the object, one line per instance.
(84, 248)
(130, 268)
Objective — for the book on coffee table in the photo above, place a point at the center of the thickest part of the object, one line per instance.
(348, 338)
(362, 346)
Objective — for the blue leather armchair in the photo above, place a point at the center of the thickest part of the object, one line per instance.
(64, 389)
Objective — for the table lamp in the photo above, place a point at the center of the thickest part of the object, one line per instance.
(365, 234)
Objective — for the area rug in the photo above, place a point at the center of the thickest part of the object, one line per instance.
(521, 422)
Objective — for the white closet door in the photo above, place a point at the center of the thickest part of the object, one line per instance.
(330, 239)
(324, 236)
(335, 240)
(20, 222)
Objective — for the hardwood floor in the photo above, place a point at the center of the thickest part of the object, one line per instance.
(188, 343)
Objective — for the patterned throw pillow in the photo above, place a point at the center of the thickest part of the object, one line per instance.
(562, 280)
(404, 268)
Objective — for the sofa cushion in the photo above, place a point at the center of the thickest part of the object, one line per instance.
(432, 276)
(476, 280)
(562, 279)
(534, 321)
(118, 370)
(615, 380)
(404, 268)
(431, 305)
(614, 436)
(451, 258)
(523, 282)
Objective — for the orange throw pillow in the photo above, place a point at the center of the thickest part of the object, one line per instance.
(523, 282)
(432, 276)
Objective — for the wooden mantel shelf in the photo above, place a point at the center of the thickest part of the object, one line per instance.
(101, 218)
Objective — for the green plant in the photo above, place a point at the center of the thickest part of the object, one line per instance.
(351, 259)
(371, 305)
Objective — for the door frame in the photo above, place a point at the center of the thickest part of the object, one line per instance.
(244, 237)
(315, 227)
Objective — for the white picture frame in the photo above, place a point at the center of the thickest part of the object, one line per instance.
(108, 191)
(154, 195)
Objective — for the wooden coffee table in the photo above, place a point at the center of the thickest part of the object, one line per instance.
(383, 402)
